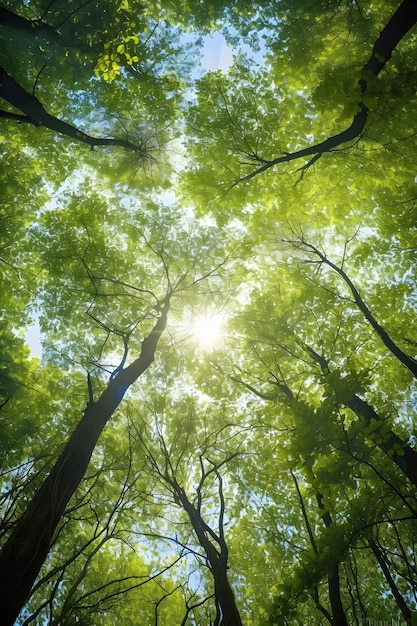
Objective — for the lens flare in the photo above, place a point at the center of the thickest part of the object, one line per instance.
(207, 330)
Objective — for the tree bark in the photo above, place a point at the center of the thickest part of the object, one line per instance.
(401, 603)
(27, 103)
(230, 615)
(333, 579)
(217, 557)
(23, 554)
(403, 455)
(404, 18)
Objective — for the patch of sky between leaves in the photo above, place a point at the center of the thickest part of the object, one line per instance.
(33, 340)
(217, 54)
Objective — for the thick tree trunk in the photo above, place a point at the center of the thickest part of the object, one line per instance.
(35, 114)
(230, 615)
(400, 452)
(27, 547)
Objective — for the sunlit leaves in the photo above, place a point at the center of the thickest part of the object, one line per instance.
(92, 241)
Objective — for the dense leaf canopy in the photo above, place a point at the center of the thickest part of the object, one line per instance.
(218, 426)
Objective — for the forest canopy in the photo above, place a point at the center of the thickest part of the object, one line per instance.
(208, 355)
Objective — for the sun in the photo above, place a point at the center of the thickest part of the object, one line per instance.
(207, 330)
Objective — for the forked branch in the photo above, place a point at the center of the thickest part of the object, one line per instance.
(407, 360)
(404, 18)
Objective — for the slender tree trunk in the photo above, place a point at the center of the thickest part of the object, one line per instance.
(225, 598)
(26, 549)
(216, 556)
(401, 603)
(333, 579)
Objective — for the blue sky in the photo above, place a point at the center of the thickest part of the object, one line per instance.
(216, 53)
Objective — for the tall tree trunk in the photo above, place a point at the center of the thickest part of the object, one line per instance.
(217, 555)
(230, 615)
(401, 603)
(23, 554)
(333, 579)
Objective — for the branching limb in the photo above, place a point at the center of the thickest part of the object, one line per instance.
(404, 358)
(190, 607)
(31, 107)
(304, 513)
(384, 565)
(265, 396)
(404, 18)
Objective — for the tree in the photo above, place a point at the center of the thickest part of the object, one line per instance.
(77, 590)
(37, 525)
(34, 113)
(320, 429)
(62, 32)
(397, 27)
(28, 545)
(263, 471)
(213, 542)
(299, 104)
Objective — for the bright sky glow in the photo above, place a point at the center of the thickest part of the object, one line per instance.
(216, 53)
(33, 339)
(207, 330)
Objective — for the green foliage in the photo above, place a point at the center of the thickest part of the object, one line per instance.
(258, 430)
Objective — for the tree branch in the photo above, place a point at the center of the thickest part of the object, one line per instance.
(398, 26)
(29, 27)
(399, 599)
(404, 358)
(17, 96)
